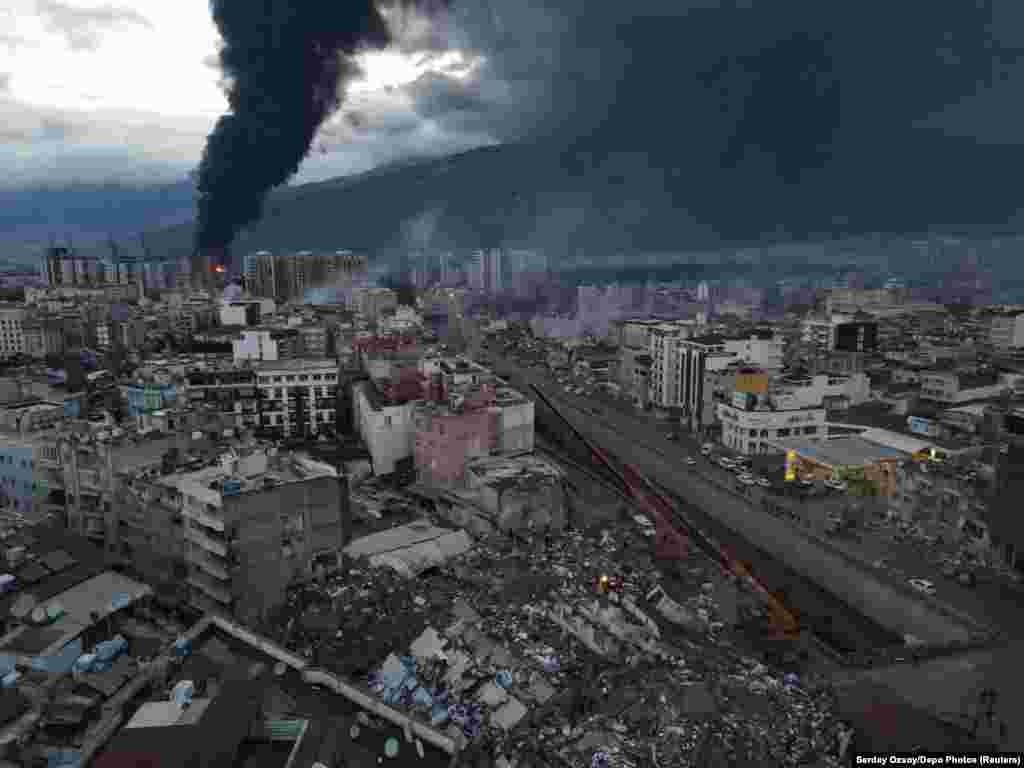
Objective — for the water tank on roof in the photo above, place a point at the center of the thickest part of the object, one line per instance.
(232, 487)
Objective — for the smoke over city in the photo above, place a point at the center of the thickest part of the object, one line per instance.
(287, 64)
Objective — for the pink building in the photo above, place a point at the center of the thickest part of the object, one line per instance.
(450, 439)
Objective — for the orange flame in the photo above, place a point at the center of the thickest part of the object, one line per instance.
(219, 269)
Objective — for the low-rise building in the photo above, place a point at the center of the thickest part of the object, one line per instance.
(957, 387)
(753, 424)
(852, 459)
(252, 524)
(228, 391)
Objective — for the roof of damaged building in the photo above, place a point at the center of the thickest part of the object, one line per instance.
(54, 560)
(507, 472)
(250, 703)
(250, 473)
(496, 646)
(412, 548)
(80, 605)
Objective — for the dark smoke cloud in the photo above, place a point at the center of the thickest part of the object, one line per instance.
(286, 63)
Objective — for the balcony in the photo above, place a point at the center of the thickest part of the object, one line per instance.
(208, 563)
(206, 542)
(205, 585)
(202, 518)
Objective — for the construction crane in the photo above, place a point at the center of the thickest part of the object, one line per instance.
(784, 625)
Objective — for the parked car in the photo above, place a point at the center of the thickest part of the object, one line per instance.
(764, 482)
(836, 485)
(922, 585)
(747, 479)
(690, 461)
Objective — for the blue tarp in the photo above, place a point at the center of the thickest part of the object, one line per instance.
(62, 662)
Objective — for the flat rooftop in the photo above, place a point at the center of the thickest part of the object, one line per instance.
(301, 364)
(852, 451)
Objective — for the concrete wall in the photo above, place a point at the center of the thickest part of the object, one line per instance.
(388, 433)
(516, 427)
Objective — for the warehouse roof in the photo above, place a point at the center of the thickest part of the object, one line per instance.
(852, 451)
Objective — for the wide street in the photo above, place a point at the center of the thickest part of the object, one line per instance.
(995, 601)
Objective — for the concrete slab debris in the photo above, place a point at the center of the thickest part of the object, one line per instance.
(510, 714)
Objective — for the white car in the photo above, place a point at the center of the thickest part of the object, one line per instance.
(922, 585)
(747, 479)
(836, 485)
(764, 482)
(690, 461)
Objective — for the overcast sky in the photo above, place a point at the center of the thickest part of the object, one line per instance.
(903, 95)
(99, 90)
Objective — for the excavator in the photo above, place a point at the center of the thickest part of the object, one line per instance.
(781, 630)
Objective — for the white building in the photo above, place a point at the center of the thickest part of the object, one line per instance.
(404, 320)
(388, 430)
(752, 431)
(1007, 331)
(12, 337)
(298, 396)
(258, 345)
(762, 349)
(830, 391)
(958, 387)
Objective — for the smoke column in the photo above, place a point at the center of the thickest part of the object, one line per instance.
(286, 63)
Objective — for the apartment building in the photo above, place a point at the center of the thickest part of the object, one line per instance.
(371, 303)
(297, 397)
(287, 276)
(12, 337)
(230, 392)
(953, 387)
(242, 529)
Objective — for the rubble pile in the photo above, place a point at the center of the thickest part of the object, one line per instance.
(520, 648)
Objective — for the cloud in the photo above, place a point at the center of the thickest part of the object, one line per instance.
(44, 144)
(83, 27)
(760, 114)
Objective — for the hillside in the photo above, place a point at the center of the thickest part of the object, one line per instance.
(590, 200)
(513, 195)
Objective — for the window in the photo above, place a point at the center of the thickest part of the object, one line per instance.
(317, 377)
(304, 377)
(277, 379)
(387, 421)
(810, 430)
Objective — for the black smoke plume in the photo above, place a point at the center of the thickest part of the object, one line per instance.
(286, 65)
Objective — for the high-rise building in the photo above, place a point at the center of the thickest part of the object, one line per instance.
(287, 276)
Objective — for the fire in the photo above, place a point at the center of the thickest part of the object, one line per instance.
(219, 269)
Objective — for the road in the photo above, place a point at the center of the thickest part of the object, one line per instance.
(995, 601)
(838, 626)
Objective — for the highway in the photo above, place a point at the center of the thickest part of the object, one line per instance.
(835, 624)
(996, 601)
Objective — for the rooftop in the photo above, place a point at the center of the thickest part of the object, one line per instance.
(852, 451)
(298, 364)
(252, 473)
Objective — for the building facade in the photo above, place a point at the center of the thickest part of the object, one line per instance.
(297, 397)
(12, 336)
